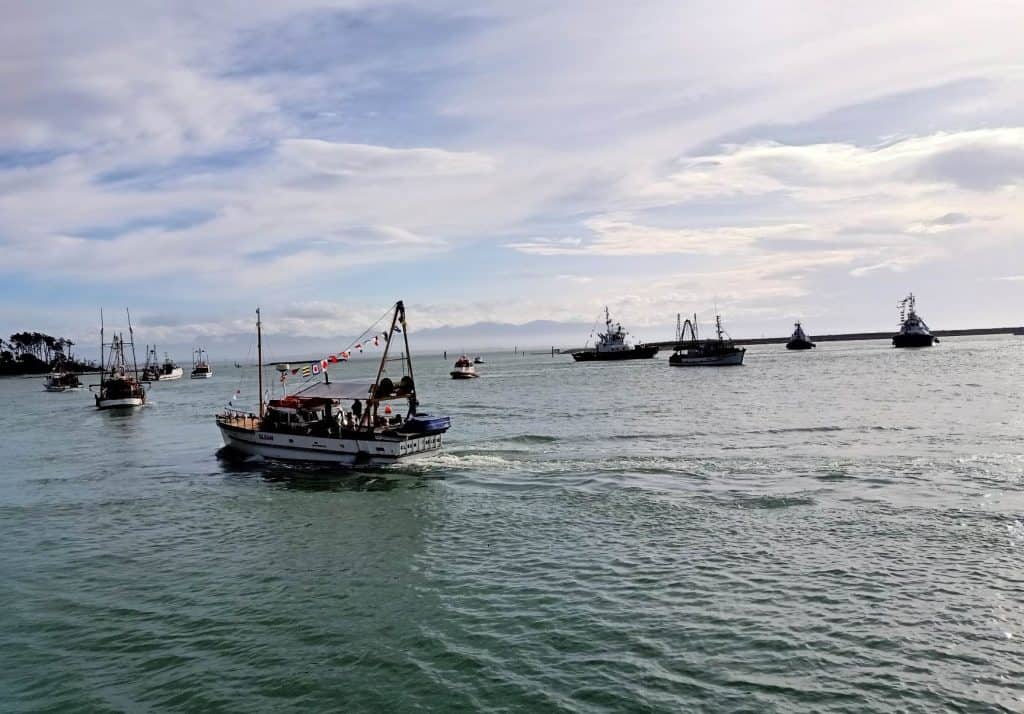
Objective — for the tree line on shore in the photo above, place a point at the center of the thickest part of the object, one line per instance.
(38, 353)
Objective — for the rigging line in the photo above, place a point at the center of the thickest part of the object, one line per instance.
(357, 339)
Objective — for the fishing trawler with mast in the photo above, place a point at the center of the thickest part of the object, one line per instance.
(119, 385)
(694, 352)
(201, 365)
(313, 425)
(913, 330)
(155, 371)
(799, 339)
(612, 345)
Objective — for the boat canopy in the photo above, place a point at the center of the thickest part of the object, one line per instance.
(345, 389)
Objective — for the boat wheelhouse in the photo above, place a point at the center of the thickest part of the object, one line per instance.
(119, 386)
(464, 369)
(350, 422)
(799, 340)
(61, 382)
(201, 365)
(694, 352)
(913, 330)
(613, 345)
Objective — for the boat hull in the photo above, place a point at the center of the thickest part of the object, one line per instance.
(727, 360)
(799, 345)
(126, 403)
(202, 375)
(464, 375)
(61, 389)
(913, 340)
(177, 373)
(326, 450)
(638, 352)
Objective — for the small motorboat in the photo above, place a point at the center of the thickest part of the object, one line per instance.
(61, 382)
(464, 369)
(799, 340)
(720, 352)
(478, 360)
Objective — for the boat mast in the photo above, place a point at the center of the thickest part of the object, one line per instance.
(103, 366)
(259, 357)
(413, 402)
(131, 336)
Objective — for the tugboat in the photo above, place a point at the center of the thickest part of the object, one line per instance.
(693, 352)
(913, 330)
(153, 371)
(464, 369)
(613, 346)
(61, 382)
(201, 365)
(119, 386)
(798, 340)
(311, 425)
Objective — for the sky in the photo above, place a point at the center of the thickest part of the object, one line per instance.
(508, 162)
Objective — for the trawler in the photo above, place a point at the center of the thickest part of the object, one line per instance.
(61, 382)
(119, 385)
(155, 371)
(799, 340)
(201, 365)
(464, 369)
(612, 345)
(694, 352)
(313, 425)
(913, 330)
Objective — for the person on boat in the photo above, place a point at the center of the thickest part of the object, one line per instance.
(357, 410)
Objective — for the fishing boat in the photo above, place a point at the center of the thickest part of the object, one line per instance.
(913, 330)
(156, 371)
(478, 360)
(201, 365)
(612, 345)
(694, 352)
(464, 369)
(61, 382)
(799, 340)
(313, 425)
(119, 386)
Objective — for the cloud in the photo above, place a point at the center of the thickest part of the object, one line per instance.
(381, 162)
(616, 236)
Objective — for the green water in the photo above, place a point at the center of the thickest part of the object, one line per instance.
(833, 531)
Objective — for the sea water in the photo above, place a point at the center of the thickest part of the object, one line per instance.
(836, 530)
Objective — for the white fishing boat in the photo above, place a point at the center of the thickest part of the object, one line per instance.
(314, 424)
(464, 369)
(694, 352)
(913, 330)
(156, 371)
(201, 365)
(61, 382)
(119, 385)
